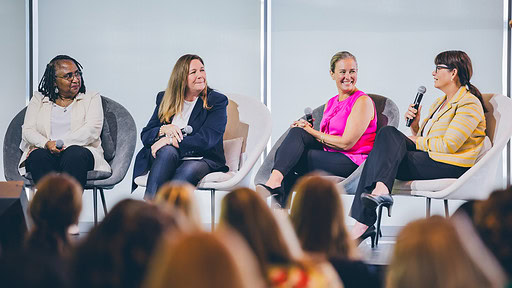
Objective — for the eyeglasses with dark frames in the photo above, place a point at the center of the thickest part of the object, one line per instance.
(69, 76)
(440, 67)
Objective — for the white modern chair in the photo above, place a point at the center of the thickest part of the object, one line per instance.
(479, 181)
(247, 132)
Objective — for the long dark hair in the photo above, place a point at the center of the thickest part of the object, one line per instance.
(459, 60)
(47, 83)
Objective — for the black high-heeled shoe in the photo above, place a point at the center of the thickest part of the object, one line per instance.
(370, 232)
(373, 201)
(277, 194)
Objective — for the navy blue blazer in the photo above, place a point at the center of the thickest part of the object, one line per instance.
(205, 139)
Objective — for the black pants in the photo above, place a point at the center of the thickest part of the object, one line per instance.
(301, 153)
(395, 156)
(75, 161)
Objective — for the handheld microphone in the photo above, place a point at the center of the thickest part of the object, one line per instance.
(187, 130)
(309, 115)
(59, 144)
(417, 101)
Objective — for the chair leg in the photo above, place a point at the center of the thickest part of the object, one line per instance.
(95, 204)
(212, 209)
(103, 202)
(429, 201)
(446, 211)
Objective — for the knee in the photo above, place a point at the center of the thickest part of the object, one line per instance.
(40, 154)
(296, 131)
(167, 153)
(386, 131)
(75, 154)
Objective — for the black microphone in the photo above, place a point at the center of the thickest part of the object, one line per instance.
(417, 101)
(309, 115)
(59, 144)
(187, 130)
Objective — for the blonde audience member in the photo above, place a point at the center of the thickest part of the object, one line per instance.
(245, 211)
(318, 218)
(200, 260)
(429, 253)
(180, 195)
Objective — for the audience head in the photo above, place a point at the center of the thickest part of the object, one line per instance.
(493, 221)
(55, 206)
(180, 196)
(55, 81)
(201, 260)
(343, 69)
(181, 82)
(117, 251)
(429, 253)
(459, 64)
(245, 211)
(318, 218)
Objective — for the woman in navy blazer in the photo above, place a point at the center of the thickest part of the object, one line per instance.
(168, 153)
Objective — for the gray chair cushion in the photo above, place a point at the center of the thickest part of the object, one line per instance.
(109, 131)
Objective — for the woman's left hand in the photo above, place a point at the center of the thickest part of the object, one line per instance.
(159, 144)
(171, 130)
(301, 123)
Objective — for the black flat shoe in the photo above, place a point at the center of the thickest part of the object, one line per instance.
(276, 193)
(373, 201)
(370, 232)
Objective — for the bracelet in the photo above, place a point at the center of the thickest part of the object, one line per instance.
(322, 138)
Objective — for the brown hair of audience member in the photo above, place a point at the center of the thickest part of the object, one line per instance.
(117, 251)
(55, 206)
(318, 218)
(180, 195)
(198, 260)
(429, 253)
(493, 221)
(246, 212)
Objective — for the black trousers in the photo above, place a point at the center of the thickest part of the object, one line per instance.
(75, 161)
(394, 156)
(301, 153)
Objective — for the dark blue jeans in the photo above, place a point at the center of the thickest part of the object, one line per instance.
(167, 166)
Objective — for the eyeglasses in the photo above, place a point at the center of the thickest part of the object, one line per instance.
(69, 76)
(439, 67)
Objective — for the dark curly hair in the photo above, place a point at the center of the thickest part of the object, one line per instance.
(47, 83)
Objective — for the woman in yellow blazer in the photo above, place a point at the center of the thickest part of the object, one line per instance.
(445, 145)
(62, 111)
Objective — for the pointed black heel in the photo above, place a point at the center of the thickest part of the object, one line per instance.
(277, 194)
(370, 232)
(378, 202)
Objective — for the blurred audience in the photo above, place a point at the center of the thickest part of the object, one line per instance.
(202, 260)
(319, 221)
(429, 253)
(247, 213)
(493, 222)
(117, 251)
(180, 195)
(44, 263)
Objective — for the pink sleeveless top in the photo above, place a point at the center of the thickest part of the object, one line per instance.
(335, 119)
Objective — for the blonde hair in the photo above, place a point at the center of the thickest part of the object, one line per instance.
(172, 101)
(429, 253)
(318, 218)
(339, 56)
(197, 260)
(180, 195)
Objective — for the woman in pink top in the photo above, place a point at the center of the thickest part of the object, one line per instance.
(346, 135)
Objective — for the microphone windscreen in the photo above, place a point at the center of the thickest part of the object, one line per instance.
(308, 110)
(59, 144)
(422, 89)
(188, 129)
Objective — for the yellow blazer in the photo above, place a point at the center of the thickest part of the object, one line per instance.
(457, 132)
(86, 125)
